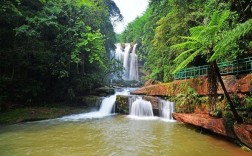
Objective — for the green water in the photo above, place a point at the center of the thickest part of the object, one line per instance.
(111, 136)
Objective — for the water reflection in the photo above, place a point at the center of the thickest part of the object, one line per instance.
(113, 135)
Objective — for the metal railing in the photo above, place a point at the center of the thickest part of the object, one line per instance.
(226, 68)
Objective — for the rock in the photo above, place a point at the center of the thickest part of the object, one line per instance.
(202, 109)
(222, 126)
(151, 82)
(244, 133)
(204, 120)
(104, 91)
(122, 104)
(234, 85)
(154, 102)
(89, 101)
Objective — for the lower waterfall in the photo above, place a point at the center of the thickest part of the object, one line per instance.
(166, 108)
(141, 108)
(106, 108)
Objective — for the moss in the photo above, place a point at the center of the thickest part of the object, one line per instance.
(35, 114)
(228, 121)
(122, 104)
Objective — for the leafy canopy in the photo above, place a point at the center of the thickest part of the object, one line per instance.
(212, 39)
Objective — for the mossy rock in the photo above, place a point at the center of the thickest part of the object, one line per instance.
(104, 91)
(89, 101)
(122, 104)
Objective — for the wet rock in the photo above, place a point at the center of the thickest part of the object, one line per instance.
(122, 104)
(104, 91)
(204, 120)
(89, 101)
(154, 102)
(244, 133)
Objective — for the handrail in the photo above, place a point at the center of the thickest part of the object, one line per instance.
(226, 68)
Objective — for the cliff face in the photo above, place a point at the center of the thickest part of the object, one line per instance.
(233, 85)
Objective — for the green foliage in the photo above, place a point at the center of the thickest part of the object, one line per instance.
(186, 102)
(190, 25)
(54, 50)
(248, 103)
(230, 38)
(213, 40)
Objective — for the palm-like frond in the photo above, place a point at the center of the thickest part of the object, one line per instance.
(188, 60)
(196, 31)
(183, 55)
(183, 45)
(230, 38)
(218, 19)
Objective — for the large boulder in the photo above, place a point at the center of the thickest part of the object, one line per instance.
(122, 104)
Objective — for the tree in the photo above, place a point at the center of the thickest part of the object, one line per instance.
(212, 40)
(52, 50)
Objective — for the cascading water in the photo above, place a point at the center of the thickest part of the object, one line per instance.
(166, 108)
(133, 72)
(129, 61)
(105, 108)
(141, 108)
(126, 61)
(119, 55)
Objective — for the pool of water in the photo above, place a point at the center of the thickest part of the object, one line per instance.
(116, 135)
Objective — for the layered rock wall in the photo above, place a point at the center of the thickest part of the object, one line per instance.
(232, 83)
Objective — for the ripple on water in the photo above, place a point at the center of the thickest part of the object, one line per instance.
(112, 135)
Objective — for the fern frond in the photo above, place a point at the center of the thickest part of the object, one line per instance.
(218, 19)
(214, 19)
(223, 18)
(230, 38)
(184, 54)
(184, 45)
(188, 60)
(191, 38)
(195, 31)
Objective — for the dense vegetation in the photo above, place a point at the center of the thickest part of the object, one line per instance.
(54, 50)
(170, 22)
(175, 34)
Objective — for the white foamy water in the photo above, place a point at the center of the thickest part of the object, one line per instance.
(129, 61)
(105, 108)
(141, 108)
(166, 108)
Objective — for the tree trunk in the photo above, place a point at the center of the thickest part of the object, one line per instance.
(238, 118)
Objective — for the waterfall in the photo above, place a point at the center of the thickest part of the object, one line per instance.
(106, 108)
(141, 108)
(133, 72)
(126, 61)
(129, 61)
(119, 55)
(166, 108)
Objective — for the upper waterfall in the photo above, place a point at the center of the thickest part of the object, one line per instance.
(128, 57)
